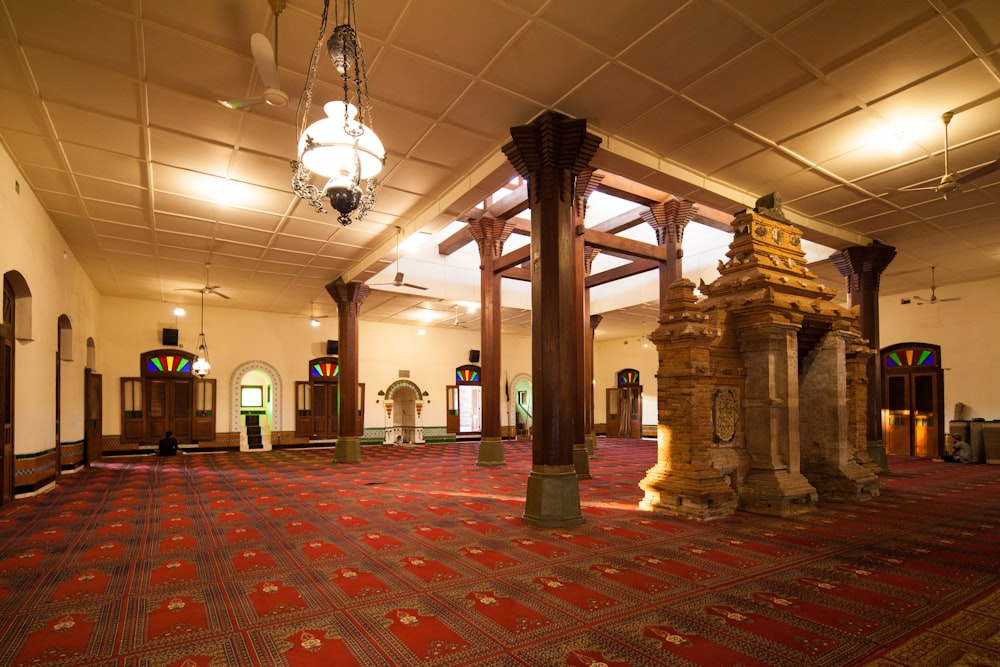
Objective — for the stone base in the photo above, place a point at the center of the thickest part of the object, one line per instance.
(682, 491)
(581, 462)
(553, 497)
(490, 452)
(777, 492)
(590, 442)
(876, 452)
(348, 450)
(851, 483)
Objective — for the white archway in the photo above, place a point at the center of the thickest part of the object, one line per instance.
(234, 392)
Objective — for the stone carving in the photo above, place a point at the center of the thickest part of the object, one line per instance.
(724, 414)
(769, 206)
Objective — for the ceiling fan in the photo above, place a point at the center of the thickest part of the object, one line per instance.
(457, 323)
(314, 318)
(266, 59)
(207, 289)
(933, 298)
(397, 280)
(949, 183)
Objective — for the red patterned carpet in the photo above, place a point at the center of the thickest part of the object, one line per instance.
(417, 556)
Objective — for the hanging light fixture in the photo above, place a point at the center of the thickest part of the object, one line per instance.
(342, 146)
(201, 367)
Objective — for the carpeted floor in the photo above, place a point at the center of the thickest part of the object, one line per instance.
(417, 556)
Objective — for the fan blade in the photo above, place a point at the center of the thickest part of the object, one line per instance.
(412, 285)
(263, 56)
(242, 104)
(980, 172)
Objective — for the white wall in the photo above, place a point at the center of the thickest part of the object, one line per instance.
(32, 246)
(966, 330)
(130, 327)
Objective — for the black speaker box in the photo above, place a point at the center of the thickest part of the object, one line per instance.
(473, 356)
(169, 336)
(332, 347)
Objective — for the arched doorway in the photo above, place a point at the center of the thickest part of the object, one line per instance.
(521, 404)
(255, 406)
(403, 405)
(913, 399)
(624, 405)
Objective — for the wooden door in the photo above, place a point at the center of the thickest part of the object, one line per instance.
(613, 424)
(630, 411)
(133, 423)
(451, 420)
(93, 410)
(913, 399)
(203, 419)
(7, 410)
(325, 415)
(169, 406)
(303, 409)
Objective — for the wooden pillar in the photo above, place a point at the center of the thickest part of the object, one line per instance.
(590, 433)
(349, 297)
(862, 267)
(586, 183)
(550, 152)
(668, 219)
(490, 235)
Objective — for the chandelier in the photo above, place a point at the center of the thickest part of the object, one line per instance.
(201, 367)
(342, 146)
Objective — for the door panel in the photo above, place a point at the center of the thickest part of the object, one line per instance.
(7, 410)
(93, 409)
(451, 421)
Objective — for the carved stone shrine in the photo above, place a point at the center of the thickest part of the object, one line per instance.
(758, 385)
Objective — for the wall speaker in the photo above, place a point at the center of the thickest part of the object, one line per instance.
(332, 347)
(169, 336)
(473, 356)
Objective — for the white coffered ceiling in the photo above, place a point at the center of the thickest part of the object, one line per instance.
(109, 109)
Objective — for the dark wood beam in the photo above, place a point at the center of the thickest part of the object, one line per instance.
(512, 259)
(504, 208)
(517, 273)
(633, 268)
(606, 241)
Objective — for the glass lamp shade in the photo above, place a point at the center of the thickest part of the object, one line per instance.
(201, 367)
(327, 148)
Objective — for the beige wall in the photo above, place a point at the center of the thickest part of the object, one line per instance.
(131, 326)
(967, 331)
(611, 356)
(30, 245)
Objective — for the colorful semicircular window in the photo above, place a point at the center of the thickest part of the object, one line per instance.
(910, 357)
(168, 364)
(325, 370)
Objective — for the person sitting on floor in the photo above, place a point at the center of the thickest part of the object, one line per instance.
(168, 445)
(961, 451)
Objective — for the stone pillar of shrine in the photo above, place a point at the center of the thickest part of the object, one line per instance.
(775, 483)
(490, 235)
(550, 153)
(668, 219)
(862, 267)
(349, 297)
(695, 414)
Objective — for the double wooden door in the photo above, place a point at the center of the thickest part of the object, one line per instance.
(624, 412)
(317, 414)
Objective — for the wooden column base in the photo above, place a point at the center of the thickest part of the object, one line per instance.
(581, 462)
(590, 442)
(348, 450)
(491, 452)
(553, 498)
(876, 452)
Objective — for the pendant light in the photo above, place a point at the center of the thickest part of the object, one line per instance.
(342, 146)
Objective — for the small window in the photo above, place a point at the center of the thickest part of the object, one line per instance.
(251, 396)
